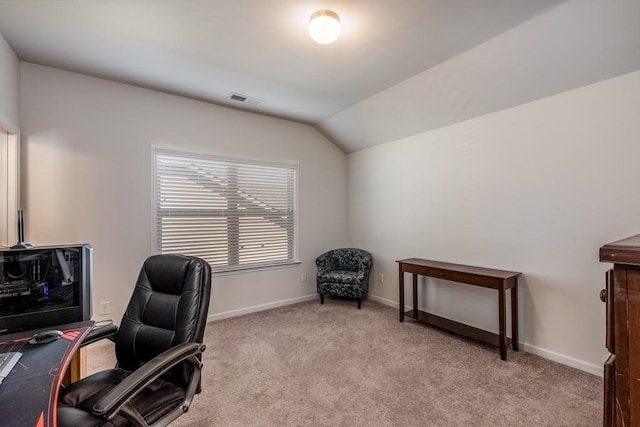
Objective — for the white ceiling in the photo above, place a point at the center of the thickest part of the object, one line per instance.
(260, 48)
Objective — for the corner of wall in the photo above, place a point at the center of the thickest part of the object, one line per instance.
(9, 87)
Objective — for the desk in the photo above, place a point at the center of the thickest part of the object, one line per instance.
(77, 368)
(29, 395)
(477, 276)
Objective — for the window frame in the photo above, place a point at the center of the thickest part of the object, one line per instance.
(213, 155)
(9, 181)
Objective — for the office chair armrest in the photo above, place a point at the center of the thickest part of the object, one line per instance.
(108, 405)
(99, 333)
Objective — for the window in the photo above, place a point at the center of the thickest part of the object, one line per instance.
(233, 213)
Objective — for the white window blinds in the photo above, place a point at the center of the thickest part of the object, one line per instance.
(233, 214)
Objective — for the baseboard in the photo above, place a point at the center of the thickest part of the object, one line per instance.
(564, 359)
(261, 307)
(384, 301)
(529, 348)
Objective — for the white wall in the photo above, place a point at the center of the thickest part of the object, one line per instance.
(537, 188)
(9, 80)
(86, 178)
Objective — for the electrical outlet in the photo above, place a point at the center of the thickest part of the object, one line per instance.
(303, 277)
(380, 278)
(104, 307)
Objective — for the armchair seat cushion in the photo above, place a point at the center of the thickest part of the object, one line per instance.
(76, 401)
(340, 290)
(340, 276)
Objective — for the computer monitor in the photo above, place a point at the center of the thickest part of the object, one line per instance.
(44, 286)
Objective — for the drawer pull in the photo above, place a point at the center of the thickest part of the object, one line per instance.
(603, 295)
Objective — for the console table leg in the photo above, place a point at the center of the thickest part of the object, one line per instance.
(415, 296)
(401, 293)
(502, 321)
(514, 316)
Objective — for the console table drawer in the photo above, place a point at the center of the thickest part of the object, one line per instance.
(477, 276)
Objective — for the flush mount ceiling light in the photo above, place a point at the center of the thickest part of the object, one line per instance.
(324, 26)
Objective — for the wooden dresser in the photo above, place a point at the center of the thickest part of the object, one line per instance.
(622, 368)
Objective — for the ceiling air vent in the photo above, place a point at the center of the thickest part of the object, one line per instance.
(245, 99)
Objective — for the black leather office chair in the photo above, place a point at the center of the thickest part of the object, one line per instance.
(158, 348)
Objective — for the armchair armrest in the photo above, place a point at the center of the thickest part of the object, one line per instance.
(108, 405)
(325, 263)
(364, 266)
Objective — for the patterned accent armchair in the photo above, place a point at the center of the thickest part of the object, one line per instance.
(344, 273)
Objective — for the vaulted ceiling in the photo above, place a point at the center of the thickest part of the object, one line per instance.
(260, 48)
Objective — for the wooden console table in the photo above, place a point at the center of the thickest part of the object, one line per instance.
(477, 276)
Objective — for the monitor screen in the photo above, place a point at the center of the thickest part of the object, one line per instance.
(44, 287)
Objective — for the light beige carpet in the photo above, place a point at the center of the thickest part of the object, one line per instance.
(334, 365)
